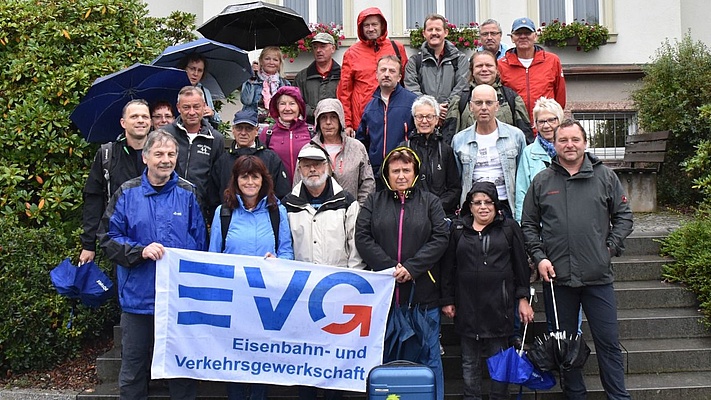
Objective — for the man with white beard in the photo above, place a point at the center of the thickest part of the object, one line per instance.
(322, 218)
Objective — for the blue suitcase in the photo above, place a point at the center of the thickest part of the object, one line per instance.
(403, 380)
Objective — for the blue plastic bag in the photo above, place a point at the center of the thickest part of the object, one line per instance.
(88, 283)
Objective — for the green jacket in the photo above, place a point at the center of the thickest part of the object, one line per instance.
(314, 88)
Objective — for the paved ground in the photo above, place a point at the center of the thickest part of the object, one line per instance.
(645, 224)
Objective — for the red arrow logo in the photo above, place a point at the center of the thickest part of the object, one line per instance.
(361, 316)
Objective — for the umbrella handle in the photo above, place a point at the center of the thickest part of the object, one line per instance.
(555, 312)
(525, 326)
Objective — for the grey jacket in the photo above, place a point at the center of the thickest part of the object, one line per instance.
(438, 79)
(577, 222)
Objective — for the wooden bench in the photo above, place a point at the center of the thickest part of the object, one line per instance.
(644, 155)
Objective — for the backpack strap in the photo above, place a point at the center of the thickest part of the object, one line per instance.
(274, 219)
(464, 99)
(225, 219)
(106, 150)
(457, 232)
(399, 57)
(268, 138)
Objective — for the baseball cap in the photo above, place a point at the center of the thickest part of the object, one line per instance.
(245, 117)
(523, 23)
(312, 152)
(323, 37)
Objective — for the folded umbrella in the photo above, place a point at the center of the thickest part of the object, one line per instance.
(87, 282)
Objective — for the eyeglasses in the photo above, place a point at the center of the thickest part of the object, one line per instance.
(549, 121)
(480, 203)
(489, 34)
(428, 118)
(162, 116)
(479, 103)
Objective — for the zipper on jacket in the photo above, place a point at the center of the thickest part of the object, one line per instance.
(399, 229)
(385, 130)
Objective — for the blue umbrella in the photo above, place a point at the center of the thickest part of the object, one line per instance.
(87, 283)
(99, 113)
(227, 65)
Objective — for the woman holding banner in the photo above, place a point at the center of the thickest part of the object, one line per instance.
(255, 224)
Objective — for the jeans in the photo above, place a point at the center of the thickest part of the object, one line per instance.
(550, 314)
(136, 350)
(244, 391)
(473, 351)
(600, 307)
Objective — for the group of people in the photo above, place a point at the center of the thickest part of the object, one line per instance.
(458, 173)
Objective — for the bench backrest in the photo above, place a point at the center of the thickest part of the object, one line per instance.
(646, 147)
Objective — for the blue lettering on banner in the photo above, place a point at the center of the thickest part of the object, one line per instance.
(204, 294)
(198, 318)
(338, 278)
(216, 270)
(273, 318)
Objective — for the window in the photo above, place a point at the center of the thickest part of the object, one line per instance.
(457, 12)
(315, 11)
(570, 10)
(607, 132)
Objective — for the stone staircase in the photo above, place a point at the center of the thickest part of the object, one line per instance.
(666, 347)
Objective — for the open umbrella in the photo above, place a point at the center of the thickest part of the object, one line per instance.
(99, 113)
(255, 25)
(228, 66)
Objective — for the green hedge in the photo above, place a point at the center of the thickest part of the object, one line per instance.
(34, 333)
(690, 246)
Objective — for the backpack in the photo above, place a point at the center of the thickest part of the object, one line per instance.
(226, 218)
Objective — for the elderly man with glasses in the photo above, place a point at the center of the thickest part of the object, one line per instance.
(489, 150)
(530, 70)
(490, 34)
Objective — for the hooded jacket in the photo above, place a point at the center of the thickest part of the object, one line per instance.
(577, 222)
(384, 126)
(544, 78)
(408, 228)
(287, 141)
(351, 166)
(138, 215)
(438, 169)
(325, 235)
(484, 273)
(315, 88)
(358, 80)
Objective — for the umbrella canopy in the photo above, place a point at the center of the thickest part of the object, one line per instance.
(87, 282)
(256, 25)
(406, 332)
(99, 113)
(227, 65)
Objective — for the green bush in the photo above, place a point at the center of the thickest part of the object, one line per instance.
(34, 333)
(51, 51)
(676, 85)
(690, 246)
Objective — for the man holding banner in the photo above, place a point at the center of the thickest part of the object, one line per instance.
(144, 216)
(322, 219)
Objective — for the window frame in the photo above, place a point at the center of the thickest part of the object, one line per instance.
(441, 9)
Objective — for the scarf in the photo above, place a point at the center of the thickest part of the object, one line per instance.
(547, 146)
(270, 84)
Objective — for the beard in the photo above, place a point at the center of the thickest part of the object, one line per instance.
(315, 182)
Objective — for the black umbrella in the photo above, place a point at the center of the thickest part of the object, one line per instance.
(558, 351)
(256, 25)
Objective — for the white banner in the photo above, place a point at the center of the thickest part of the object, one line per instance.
(225, 317)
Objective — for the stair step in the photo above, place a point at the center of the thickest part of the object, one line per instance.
(637, 245)
(650, 323)
(638, 268)
(652, 293)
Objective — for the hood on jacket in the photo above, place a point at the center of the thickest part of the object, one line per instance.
(292, 91)
(488, 189)
(330, 105)
(367, 13)
(386, 163)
